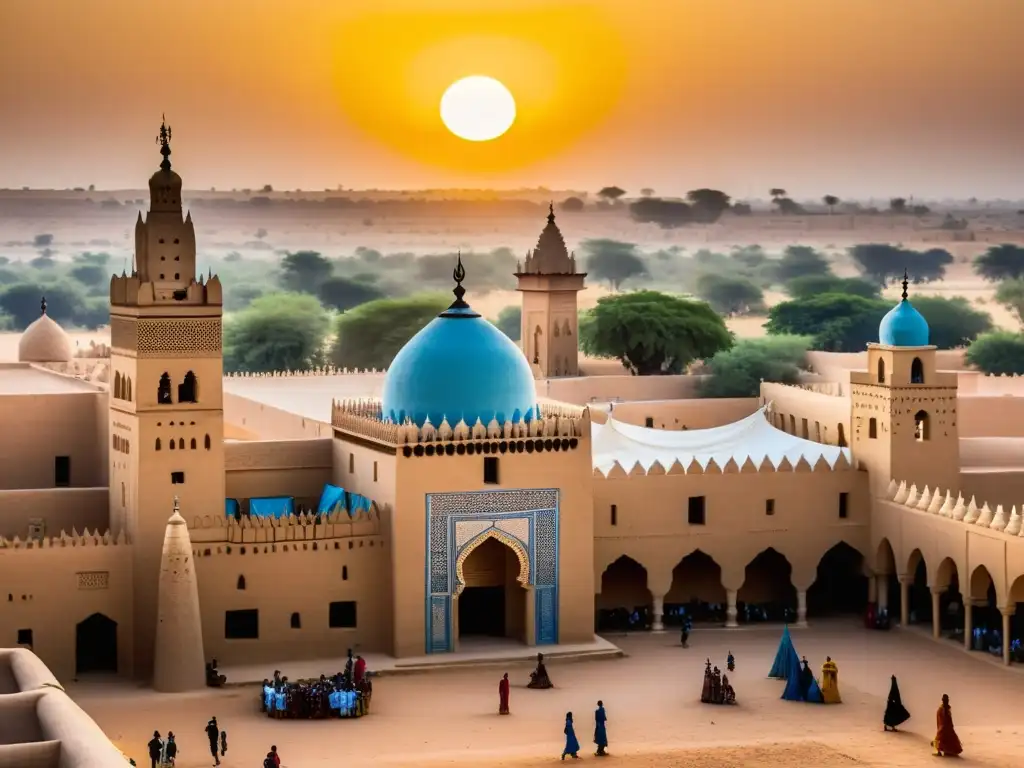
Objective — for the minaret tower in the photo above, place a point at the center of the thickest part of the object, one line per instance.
(166, 394)
(549, 283)
(179, 663)
(903, 416)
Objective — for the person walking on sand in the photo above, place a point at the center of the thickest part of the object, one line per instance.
(947, 743)
(503, 691)
(156, 747)
(895, 712)
(572, 744)
(600, 730)
(213, 734)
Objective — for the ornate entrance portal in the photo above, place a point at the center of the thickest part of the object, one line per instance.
(492, 565)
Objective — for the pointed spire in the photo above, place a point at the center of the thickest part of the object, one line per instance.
(551, 212)
(42, 306)
(459, 307)
(906, 282)
(164, 140)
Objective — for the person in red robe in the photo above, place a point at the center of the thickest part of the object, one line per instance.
(359, 671)
(947, 743)
(503, 690)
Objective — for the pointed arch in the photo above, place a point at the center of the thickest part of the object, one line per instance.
(163, 390)
(566, 328)
(881, 370)
(206, 442)
(509, 541)
(193, 444)
(127, 388)
(170, 444)
(885, 558)
(917, 371)
(188, 390)
(117, 385)
(181, 443)
(241, 582)
(922, 426)
(981, 582)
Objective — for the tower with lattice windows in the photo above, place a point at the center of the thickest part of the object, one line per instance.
(166, 399)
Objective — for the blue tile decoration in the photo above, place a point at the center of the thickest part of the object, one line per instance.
(444, 510)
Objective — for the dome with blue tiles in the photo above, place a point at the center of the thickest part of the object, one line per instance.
(459, 367)
(903, 326)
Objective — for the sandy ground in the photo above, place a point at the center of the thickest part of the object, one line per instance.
(655, 718)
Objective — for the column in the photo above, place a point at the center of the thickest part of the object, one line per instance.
(936, 616)
(882, 588)
(1007, 612)
(968, 623)
(531, 615)
(905, 600)
(730, 608)
(658, 612)
(872, 590)
(801, 608)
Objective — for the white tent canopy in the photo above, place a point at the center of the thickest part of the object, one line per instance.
(753, 437)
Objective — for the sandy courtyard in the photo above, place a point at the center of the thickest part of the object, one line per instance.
(655, 718)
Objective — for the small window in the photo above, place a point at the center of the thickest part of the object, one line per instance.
(615, 515)
(843, 505)
(649, 422)
(177, 478)
(163, 390)
(242, 625)
(917, 371)
(842, 436)
(181, 443)
(792, 424)
(921, 430)
(375, 471)
(872, 428)
(695, 511)
(881, 371)
(206, 442)
(123, 493)
(158, 443)
(25, 637)
(241, 582)
(193, 444)
(804, 432)
(342, 615)
(351, 463)
(344, 573)
(62, 471)
(769, 507)
(491, 470)
(171, 444)
(296, 621)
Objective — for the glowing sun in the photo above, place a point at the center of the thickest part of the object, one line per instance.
(478, 108)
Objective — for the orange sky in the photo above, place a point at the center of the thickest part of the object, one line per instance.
(851, 97)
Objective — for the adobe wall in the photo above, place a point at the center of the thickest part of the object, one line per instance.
(583, 390)
(996, 486)
(836, 366)
(254, 419)
(290, 567)
(685, 414)
(298, 468)
(805, 413)
(61, 509)
(651, 524)
(990, 415)
(51, 588)
(40, 427)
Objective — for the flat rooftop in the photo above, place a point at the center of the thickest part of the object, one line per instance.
(23, 379)
(306, 396)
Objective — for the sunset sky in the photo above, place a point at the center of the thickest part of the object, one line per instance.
(848, 97)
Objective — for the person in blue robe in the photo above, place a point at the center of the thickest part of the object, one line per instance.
(785, 658)
(600, 731)
(572, 745)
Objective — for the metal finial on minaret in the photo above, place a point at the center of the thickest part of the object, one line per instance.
(459, 274)
(176, 506)
(42, 306)
(551, 211)
(906, 281)
(164, 140)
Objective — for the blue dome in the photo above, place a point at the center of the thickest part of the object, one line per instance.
(459, 366)
(903, 326)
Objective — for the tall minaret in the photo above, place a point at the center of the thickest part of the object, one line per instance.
(165, 327)
(178, 663)
(549, 283)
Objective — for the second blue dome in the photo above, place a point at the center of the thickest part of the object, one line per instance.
(903, 326)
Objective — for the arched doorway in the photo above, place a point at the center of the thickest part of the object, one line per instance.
(493, 601)
(767, 593)
(625, 600)
(951, 604)
(919, 607)
(985, 616)
(696, 590)
(1017, 620)
(889, 585)
(840, 586)
(96, 645)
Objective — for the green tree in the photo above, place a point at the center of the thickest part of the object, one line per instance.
(653, 333)
(801, 261)
(831, 201)
(510, 321)
(898, 205)
(93, 259)
(1001, 262)
(276, 332)
(21, 301)
(93, 313)
(304, 271)
(738, 372)
(240, 295)
(613, 261)
(997, 353)
(43, 261)
(611, 194)
(371, 335)
(572, 205)
(952, 322)
(834, 322)
(707, 205)
(667, 214)
(814, 285)
(884, 263)
(1010, 294)
(343, 294)
(90, 275)
(730, 294)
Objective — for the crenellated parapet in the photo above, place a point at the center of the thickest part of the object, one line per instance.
(132, 291)
(564, 424)
(74, 539)
(957, 509)
(327, 370)
(731, 467)
(219, 529)
(830, 388)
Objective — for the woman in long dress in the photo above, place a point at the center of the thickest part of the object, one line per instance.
(600, 730)
(830, 682)
(572, 744)
(947, 743)
(503, 691)
(895, 712)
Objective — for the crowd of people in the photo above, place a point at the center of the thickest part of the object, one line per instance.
(346, 694)
(716, 688)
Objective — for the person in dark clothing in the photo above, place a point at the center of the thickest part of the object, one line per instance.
(223, 743)
(170, 748)
(213, 734)
(895, 713)
(155, 748)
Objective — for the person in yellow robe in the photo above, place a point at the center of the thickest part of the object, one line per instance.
(830, 682)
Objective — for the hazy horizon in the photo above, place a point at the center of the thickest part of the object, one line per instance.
(858, 98)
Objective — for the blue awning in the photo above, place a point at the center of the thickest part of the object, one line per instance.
(331, 497)
(230, 507)
(272, 506)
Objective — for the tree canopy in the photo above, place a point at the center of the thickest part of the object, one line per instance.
(653, 333)
(282, 331)
(304, 271)
(801, 261)
(343, 294)
(370, 335)
(730, 294)
(1010, 294)
(885, 263)
(815, 285)
(510, 321)
(738, 372)
(997, 353)
(707, 205)
(612, 261)
(64, 303)
(1001, 262)
(952, 322)
(667, 214)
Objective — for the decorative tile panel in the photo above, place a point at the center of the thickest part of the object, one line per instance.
(94, 579)
(467, 530)
(546, 547)
(519, 527)
(547, 616)
(443, 504)
(438, 623)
